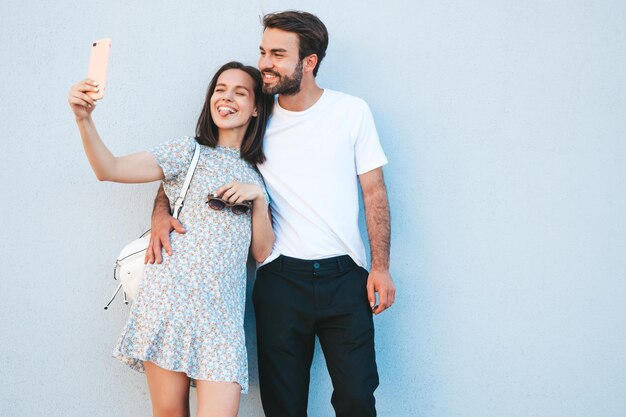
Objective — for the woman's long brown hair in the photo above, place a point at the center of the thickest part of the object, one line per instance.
(252, 144)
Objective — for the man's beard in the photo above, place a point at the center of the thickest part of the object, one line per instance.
(287, 86)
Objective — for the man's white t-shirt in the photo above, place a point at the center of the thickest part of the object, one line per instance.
(313, 159)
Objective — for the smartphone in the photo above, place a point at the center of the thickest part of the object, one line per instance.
(98, 66)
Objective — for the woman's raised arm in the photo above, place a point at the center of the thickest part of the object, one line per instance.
(133, 168)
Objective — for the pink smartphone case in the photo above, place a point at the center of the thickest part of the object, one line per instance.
(98, 65)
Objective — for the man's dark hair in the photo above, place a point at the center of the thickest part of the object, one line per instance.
(311, 32)
(252, 146)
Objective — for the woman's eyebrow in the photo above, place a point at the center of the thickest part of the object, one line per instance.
(237, 86)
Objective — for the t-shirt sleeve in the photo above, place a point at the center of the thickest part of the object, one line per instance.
(174, 156)
(368, 154)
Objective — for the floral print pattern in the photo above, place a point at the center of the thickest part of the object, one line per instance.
(189, 312)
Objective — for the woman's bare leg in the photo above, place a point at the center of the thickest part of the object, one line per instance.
(169, 391)
(218, 399)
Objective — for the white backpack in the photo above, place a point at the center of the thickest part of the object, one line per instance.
(129, 265)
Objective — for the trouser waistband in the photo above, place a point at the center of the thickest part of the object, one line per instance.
(312, 266)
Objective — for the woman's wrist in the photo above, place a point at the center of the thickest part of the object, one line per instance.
(260, 195)
(260, 199)
(82, 119)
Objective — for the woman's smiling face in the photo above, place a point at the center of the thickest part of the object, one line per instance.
(232, 101)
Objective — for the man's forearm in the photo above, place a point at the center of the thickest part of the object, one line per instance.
(161, 203)
(377, 218)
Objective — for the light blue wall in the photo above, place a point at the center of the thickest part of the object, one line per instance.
(504, 123)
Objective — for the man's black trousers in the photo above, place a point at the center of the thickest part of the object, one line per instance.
(296, 300)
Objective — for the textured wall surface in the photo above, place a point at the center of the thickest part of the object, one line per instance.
(504, 123)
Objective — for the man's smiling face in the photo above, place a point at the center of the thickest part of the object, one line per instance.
(280, 62)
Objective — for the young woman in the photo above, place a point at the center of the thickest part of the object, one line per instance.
(186, 325)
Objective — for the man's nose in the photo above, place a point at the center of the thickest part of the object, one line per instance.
(265, 62)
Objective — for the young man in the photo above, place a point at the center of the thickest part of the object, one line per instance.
(320, 144)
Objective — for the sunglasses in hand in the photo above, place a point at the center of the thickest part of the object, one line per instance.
(218, 203)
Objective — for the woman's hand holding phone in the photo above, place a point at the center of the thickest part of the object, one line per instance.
(83, 96)
(81, 103)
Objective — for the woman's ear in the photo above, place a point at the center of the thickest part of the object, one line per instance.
(255, 113)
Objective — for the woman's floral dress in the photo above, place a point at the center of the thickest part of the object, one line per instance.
(189, 313)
